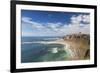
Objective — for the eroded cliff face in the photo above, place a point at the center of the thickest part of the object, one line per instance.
(79, 46)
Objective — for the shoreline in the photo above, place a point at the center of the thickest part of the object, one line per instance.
(76, 47)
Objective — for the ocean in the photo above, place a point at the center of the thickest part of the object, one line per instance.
(37, 49)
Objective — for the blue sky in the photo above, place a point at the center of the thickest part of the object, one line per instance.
(50, 23)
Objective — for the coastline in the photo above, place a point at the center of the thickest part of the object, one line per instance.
(77, 48)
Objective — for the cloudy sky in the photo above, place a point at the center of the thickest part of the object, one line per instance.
(49, 23)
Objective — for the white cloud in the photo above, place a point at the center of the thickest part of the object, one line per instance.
(54, 26)
(80, 18)
(75, 29)
(86, 18)
(37, 25)
(76, 19)
(26, 20)
(80, 23)
(34, 24)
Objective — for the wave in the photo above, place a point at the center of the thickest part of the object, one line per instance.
(40, 42)
(50, 38)
(54, 50)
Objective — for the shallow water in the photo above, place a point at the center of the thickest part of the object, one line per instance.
(38, 52)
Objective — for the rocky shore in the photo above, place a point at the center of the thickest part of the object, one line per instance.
(77, 44)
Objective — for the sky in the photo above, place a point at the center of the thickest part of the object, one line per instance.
(52, 23)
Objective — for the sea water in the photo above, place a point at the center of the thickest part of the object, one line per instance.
(34, 50)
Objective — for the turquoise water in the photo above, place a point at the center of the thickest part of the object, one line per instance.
(41, 52)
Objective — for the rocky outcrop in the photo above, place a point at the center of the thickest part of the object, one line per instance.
(79, 45)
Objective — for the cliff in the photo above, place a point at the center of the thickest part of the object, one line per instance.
(79, 45)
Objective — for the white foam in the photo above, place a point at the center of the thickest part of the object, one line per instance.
(54, 50)
(42, 42)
